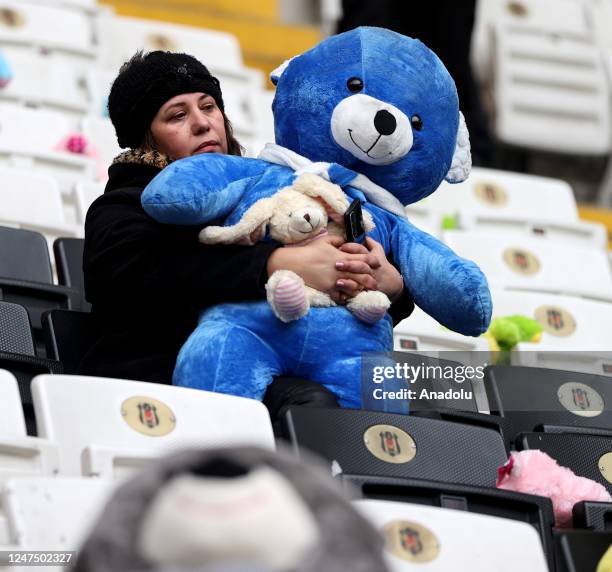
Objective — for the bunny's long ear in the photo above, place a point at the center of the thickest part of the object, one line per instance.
(250, 229)
(462, 158)
(332, 195)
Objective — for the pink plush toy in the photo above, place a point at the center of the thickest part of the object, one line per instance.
(78, 144)
(534, 472)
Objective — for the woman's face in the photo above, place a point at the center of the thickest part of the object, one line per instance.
(189, 124)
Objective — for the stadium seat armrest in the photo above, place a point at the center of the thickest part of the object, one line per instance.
(26, 455)
(113, 462)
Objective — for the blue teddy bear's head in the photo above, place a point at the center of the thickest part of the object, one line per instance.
(376, 102)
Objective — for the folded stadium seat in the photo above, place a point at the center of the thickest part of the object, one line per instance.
(52, 513)
(68, 336)
(240, 91)
(546, 75)
(21, 455)
(534, 510)
(501, 195)
(534, 399)
(440, 539)
(34, 201)
(122, 424)
(24, 145)
(593, 515)
(99, 80)
(586, 455)
(121, 36)
(68, 253)
(45, 81)
(101, 133)
(87, 192)
(25, 279)
(575, 332)
(581, 551)
(390, 445)
(535, 264)
(57, 29)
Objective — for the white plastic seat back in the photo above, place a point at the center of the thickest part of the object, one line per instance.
(25, 23)
(101, 133)
(46, 82)
(265, 118)
(32, 130)
(33, 201)
(122, 36)
(576, 334)
(28, 138)
(569, 323)
(551, 90)
(517, 262)
(53, 513)
(436, 539)
(20, 454)
(503, 194)
(123, 424)
(11, 413)
(87, 193)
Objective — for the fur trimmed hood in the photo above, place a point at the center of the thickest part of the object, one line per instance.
(143, 157)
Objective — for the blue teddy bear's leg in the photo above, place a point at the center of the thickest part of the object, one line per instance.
(226, 358)
(385, 395)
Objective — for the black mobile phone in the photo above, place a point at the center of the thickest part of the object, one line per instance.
(353, 223)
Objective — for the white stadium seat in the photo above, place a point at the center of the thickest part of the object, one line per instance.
(52, 513)
(86, 193)
(436, 539)
(101, 133)
(535, 264)
(546, 74)
(53, 28)
(33, 201)
(122, 36)
(576, 334)
(28, 138)
(19, 454)
(124, 424)
(505, 195)
(44, 81)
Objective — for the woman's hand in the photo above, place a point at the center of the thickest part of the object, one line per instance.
(324, 267)
(387, 277)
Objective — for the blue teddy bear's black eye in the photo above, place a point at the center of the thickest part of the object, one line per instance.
(416, 122)
(354, 84)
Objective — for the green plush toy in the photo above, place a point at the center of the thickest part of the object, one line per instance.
(504, 333)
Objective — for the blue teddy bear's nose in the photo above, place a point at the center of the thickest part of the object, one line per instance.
(385, 122)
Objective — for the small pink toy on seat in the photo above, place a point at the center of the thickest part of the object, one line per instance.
(78, 144)
(534, 472)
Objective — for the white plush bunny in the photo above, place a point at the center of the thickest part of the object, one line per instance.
(312, 207)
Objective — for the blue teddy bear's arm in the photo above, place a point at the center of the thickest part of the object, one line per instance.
(452, 290)
(199, 189)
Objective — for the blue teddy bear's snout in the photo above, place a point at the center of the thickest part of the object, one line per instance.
(372, 130)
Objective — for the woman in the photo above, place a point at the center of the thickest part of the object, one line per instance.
(147, 281)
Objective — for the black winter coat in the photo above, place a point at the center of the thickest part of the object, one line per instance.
(147, 281)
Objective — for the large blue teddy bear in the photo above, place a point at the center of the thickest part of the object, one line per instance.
(376, 113)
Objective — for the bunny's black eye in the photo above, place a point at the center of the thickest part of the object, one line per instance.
(416, 122)
(354, 84)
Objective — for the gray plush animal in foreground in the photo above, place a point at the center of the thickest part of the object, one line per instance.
(231, 510)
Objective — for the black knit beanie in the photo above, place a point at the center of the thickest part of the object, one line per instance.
(146, 82)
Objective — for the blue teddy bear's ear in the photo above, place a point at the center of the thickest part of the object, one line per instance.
(275, 75)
